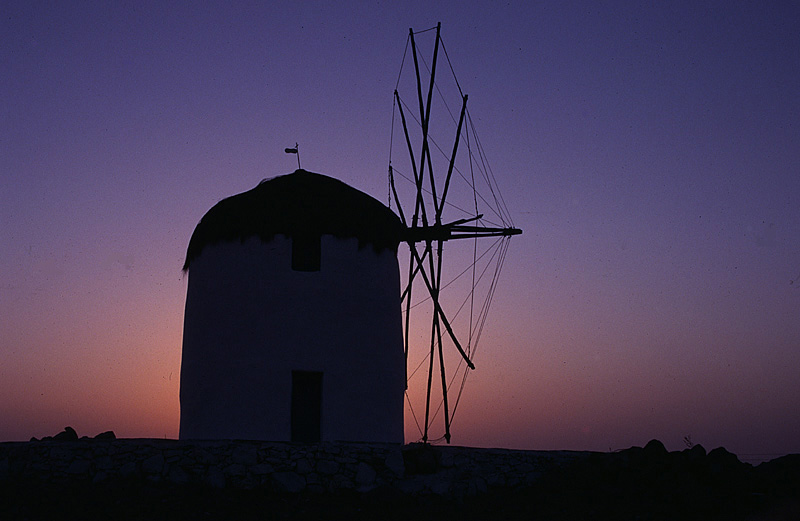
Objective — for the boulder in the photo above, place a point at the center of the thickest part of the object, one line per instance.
(68, 434)
(655, 448)
(365, 475)
(420, 458)
(722, 461)
(289, 481)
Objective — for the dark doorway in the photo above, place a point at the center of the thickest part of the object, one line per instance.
(306, 406)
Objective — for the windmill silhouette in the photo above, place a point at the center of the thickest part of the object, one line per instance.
(431, 220)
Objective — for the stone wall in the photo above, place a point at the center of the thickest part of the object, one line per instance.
(324, 467)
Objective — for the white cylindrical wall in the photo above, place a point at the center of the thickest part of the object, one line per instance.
(251, 320)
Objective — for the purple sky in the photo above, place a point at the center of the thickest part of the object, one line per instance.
(650, 154)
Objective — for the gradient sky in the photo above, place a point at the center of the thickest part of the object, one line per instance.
(650, 154)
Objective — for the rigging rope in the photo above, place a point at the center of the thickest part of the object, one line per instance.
(412, 414)
(474, 252)
(402, 62)
(483, 315)
(391, 143)
(464, 271)
(499, 247)
(441, 42)
(496, 209)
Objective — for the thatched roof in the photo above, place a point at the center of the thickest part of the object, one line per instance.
(300, 202)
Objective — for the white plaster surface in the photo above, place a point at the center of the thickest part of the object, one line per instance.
(251, 320)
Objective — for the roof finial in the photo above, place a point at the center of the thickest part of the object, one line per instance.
(295, 150)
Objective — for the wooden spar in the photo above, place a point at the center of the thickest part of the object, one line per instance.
(396, 197)
(433, 290)
(425, 112)
(441, 353)
(439, 310)
(436, 340)
(420, 203)
(468, 219)
(430, 371)
(471, 232)
(416, 69)
(421, 111)
(452, 161)
(411, 274)
(426, 125)
(446, 232)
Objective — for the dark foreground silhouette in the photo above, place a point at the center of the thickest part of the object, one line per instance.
(637, 483)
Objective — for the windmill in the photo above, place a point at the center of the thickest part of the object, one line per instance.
(425, 183)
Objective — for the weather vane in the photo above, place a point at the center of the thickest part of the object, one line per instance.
(295, 150)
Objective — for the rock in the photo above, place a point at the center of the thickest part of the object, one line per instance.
(104, 463)
(205, 457)
(533, 476)
(339, 482)
(61, 454)
(496, 480)
(316, 488)
(108, 435)
(215, 478)
(128, 469)
(786, 466)
(720, 460)
(440, 487)
(411, 486)
(235, 470)
(153, 465)
(477, 485)
(655, 448)
(79, 467)
(779, 474)
(245, 455)
(303, 466)
(365, 475)
(327, 467)
(262, 469)
(394, 462)
(178, 476)
(420, 458)
(446, 460)
(289, 481)
(696, 453)
(68, 434)
(654, 456)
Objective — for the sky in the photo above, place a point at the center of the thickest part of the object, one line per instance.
(649, 152)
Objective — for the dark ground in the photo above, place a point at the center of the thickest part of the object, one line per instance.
(635, 484)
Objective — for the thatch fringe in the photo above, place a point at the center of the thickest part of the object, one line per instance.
(300, 202)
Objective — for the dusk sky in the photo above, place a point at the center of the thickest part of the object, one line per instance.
(650, 153)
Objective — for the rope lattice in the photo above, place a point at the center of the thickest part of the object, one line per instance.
(420, 188)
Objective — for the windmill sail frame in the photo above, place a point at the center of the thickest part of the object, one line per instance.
(425, 234)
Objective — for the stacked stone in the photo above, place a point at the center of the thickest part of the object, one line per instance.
(289, 467)
(465, 471)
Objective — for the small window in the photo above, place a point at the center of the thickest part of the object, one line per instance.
(306, 252)
(306, 406)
